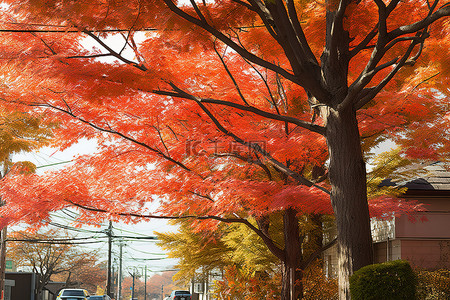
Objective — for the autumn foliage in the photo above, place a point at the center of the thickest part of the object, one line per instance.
(142, 135)
(227, 109)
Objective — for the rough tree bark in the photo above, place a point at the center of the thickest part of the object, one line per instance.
(348, 196)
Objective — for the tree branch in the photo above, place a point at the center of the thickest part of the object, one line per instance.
(114, 53)
(226, 40)
(230, 75)
(267, 240)
(181, 94)
(316, 254)
(372, 92)
(414, 27)
(111, 131)
(288, 172)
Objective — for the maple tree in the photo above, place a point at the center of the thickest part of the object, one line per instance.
(19, 132)
(228, 109)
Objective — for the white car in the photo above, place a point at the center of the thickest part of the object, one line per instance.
(180, 295)
(73, 294)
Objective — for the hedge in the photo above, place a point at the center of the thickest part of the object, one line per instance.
(393, 280)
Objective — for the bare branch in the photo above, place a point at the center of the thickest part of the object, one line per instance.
(375, 90)
(288, 38)
(90, 56)
(230, 75)
(363, 44)
(198, 12)
(259, 7)
(299, 32)
(114, 53)
(415, 27)
(181, 94)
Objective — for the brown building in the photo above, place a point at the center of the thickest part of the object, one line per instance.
(425, 243)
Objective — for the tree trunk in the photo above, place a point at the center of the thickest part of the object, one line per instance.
(347, 175)
(292, 286)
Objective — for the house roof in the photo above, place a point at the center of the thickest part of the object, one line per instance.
(434, 177)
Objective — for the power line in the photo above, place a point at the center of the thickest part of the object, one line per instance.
(54, 164)
(145, 259)
(145, 252)
(136, 237)
(73, 241)
(72, 228)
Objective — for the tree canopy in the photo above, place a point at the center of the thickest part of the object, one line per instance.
(225, 108)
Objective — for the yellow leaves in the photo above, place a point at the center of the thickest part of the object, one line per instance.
(23, 167)
(20, 131)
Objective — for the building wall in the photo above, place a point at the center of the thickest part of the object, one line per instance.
(425, 242)
(330, 262)
(435, 225)
(428, 254)
(387, 251)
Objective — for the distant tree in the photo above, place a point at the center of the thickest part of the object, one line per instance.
(198, 253)
(160, 282)
(56, 262)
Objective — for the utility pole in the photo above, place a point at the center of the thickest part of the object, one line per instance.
(145, 283)
(132, 289)
(113, 279)
(108, 276)
(3, 240)
(119, 283)
(3, 262)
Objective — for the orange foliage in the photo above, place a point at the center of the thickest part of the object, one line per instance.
(154, 146)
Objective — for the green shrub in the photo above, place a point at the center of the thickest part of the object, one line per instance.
(393, 280)
(433, 285)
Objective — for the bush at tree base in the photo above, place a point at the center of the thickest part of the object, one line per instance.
(394, 280)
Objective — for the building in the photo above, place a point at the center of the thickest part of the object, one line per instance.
(425, 242)
(21, 285)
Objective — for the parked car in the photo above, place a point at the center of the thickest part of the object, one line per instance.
(73, 294)
(180, 295)
(99, 297)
